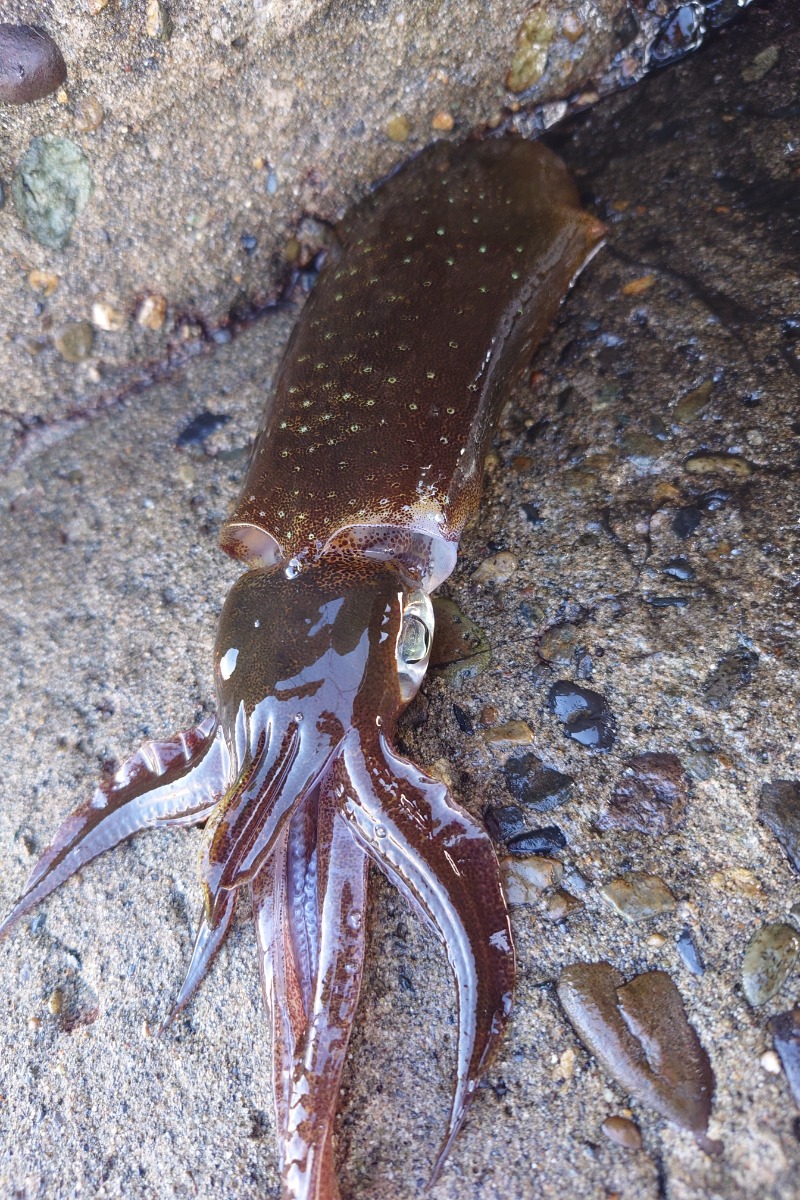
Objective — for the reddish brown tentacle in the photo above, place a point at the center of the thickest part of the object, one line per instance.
(174, 782)
(442, 860)
(211, 933)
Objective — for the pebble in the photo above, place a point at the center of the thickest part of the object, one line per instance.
(762, 64)
(74, 341)
(89, 115)
(770, 1062)
(397, 128)
(200, 428)
(55, 1002)
(460, 648)
(692, 403)
(638, 896)
(530, 54)
(651, 796)
(499, 568)
(536, 786)
(770, 955)
(525, 878)
(152, 312)
(585, 714)
(561, 905)
(779, 810)
(443, 122)
(44, 282)
(31, 64)
(687, 948)
(623, 1132)
(558, 643)
(106, 317)
(93, 7)
(637, 287)
(686, 521)
(504, 821)
(157, 20)
(641, 448)
(510, 733)
(548, 840)
(785, 1030)
(732, 674)
(678, 568)
(629, 1026)
(51, 187)
(713, 464)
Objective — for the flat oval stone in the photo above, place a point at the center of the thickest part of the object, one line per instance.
(770, 955)
(638, 896)
(31, 64)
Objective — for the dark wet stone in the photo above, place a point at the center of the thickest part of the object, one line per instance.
(639, 1032)
(535, 785)
(685, 521)
(732, 674)
(505, 821)
(714, 499)
(585, 714)
(651, 795)
(779, 810)
(463, 719)
(201, 427)
(680, 32)
(460, 648)
(678, 568)
(666, 601)
(31, 64)
(687, 948)
(770, 955)
(785, 1030)
(533, 514)
(548, 840)
(51, 187)
(623, 1132)
(637, 896)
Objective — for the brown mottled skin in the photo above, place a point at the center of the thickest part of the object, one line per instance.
(366, 469)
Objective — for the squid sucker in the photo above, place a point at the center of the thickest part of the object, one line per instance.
(366, 470)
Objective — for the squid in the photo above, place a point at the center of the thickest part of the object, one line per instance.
(365, 472)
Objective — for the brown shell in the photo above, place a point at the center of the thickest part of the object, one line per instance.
(375, 434)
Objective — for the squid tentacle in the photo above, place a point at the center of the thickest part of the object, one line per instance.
(211, 933)
(443, 862)
(174, 782)
(311, 972)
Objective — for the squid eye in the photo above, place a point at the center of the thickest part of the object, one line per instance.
(414, 643)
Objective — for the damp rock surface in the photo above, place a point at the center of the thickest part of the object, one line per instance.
(651, 795)
(779, 809)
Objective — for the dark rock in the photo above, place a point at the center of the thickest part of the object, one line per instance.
(537, 841)
(505, 821)
(533, 514)
(732, 674)
(31, 64)
(535, 785)
(678, 568)
(463, 719)
(623, 1132)
(666, 601)
(650, 797)
(685, 521)
(779, 810)
(460, 648)
(770, 955)
(200, 428)
(785, 1030)
(687, 948)
(640, 1034)
(585, 714)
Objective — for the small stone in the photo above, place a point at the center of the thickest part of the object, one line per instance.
(641, 448)
(106, 317)
(152, 312)
(779, 810)
(74, 341)
(55, 1002)
(692, 403)
(200, 428)
(638, 896)
(443, 122)
(460, 649)
(638, 287)
(785, 1030)
(687, 948)
(93, 7)
(770, 1062)
(397, 128)
(561, 905)
(31, 64)
(497, 569)
(548, 840)
(511, 733)
(45, 282)
(89, 115)
(770, 955)
(740, 881)
(504, 821)
(732, 674)
(623, 1132)
(686, 520)
(157, 20)
(558, 643)
(585, 714)
(536, 786)
(762, 64)
(714, 464)
(572, 27)
(650, 797)
(657, 941)
(530, 55)
(51, 187)
(678, 568)
(525, 878)
(639, 1032)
